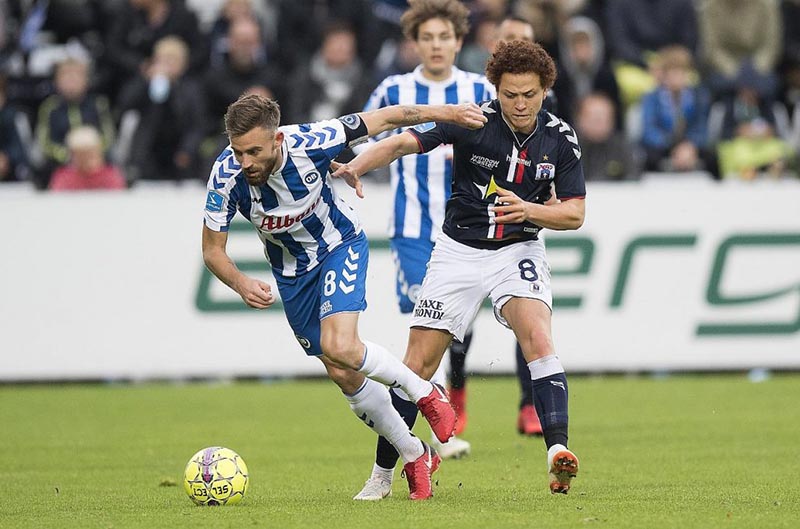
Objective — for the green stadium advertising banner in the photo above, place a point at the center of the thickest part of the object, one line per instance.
(664, 275)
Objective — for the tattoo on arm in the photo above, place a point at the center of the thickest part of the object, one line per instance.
(411, 115)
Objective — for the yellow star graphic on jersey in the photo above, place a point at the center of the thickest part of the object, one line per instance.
(489, 189)
(545, 158)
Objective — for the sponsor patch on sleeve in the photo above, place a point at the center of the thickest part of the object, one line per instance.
(425, 127)
(214, 202)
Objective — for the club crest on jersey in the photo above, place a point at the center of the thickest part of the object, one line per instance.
(214, 202)
(425, 127)
(545, 171)
(310, 178)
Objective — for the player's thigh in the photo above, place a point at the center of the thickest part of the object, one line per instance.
(411, 261)
(453, 289)
(530, 319)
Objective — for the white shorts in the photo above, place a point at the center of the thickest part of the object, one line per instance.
(460, 277)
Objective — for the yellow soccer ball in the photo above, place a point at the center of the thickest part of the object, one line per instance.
(216, 476)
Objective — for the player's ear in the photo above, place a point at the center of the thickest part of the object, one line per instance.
(459, 43)
(278, 138)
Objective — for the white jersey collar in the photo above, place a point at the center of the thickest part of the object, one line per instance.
(421, 79)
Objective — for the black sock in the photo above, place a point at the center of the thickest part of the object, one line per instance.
(524, 377)
(385, 454)
(458, 357)
(551, 399)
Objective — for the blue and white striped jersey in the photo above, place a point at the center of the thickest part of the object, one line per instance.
(421, 183)
(297, 213)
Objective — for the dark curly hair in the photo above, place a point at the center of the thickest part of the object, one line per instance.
(420, 11)
(520, 56)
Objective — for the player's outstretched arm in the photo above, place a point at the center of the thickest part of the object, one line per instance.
(254, 293)
(467, 115)
(554, 215)
(379, 154)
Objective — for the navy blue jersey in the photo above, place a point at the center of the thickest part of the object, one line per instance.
(494, 156)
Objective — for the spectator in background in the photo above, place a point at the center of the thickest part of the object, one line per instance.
(790, 63)
(606, 153)
(172, 116)
(750, 145)
(142, 23)
(474, 55)
(404, 61)
(514, 28)
(304, 24)
(219, 37)
(738, 34)
(244, 65)
(332, 83)
(636, 29)
(13, 158)
(71, 106)
(87, 168)
(675, 116)
(583, 67)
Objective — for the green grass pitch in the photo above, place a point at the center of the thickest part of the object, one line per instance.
(682, 452)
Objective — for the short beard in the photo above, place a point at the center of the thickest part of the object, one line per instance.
(258, 180)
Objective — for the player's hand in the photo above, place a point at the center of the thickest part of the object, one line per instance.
(510, 209)
(255, 293)
(469, 115)
(349, 175)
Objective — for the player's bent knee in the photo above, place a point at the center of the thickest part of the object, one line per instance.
(344, 352)
(423, 365)
(537, 345)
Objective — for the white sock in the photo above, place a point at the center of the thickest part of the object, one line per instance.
(385, 474)
(439, 376)
(545, 367)
(381, 365)
(373, 405)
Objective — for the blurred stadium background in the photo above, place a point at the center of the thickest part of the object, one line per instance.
(686, 263)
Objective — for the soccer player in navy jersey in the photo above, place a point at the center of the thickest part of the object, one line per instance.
(277, 178)
(489, 246)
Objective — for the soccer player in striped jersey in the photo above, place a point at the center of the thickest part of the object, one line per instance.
(277, 178)
(421, 183)
(490, 245)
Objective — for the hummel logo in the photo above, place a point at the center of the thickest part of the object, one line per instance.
(558, 384)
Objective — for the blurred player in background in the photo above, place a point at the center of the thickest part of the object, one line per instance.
(489, 245)
(276, 177)
(421, 184)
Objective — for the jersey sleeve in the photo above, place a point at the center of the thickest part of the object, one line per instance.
(569, 181)
(221, 199)
(431, 135)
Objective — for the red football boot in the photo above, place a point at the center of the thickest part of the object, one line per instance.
(419, 472)
(439, 413)
(458, 399)
(528, 422)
